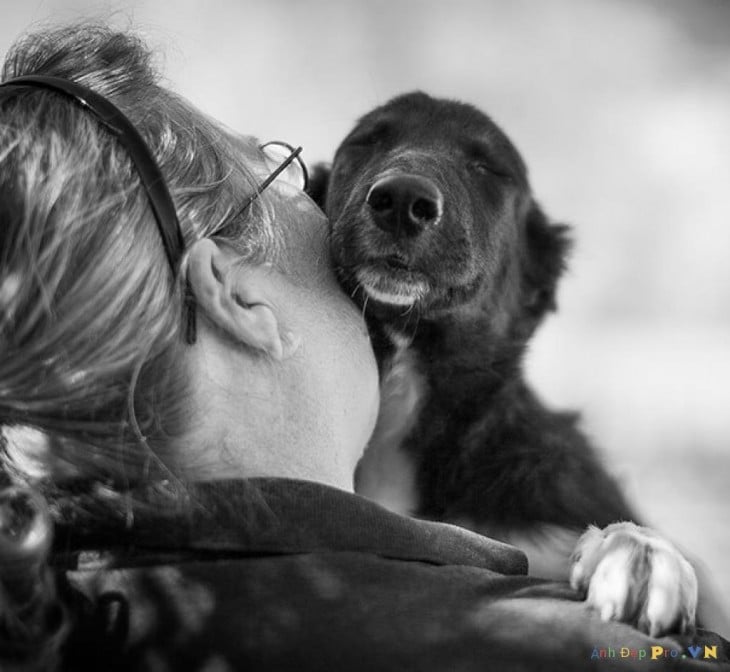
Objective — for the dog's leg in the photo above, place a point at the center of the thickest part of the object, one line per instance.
(517, 466)
(629, 573)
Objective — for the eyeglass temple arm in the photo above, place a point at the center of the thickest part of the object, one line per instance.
(261, 187)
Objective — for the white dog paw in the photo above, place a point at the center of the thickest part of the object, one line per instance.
(629, 573)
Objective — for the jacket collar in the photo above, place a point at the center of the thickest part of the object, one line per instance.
(266, 516)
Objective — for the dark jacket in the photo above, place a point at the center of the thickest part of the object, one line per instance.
(275, 574)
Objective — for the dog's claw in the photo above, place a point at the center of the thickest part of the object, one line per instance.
(629, 573)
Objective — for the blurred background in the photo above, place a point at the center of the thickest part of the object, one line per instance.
(621, 109)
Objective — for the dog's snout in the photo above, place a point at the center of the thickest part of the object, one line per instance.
(404, 205)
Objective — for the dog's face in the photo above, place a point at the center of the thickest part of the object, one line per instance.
(430, 209)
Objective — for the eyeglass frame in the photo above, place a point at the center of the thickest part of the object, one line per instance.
(294, 154)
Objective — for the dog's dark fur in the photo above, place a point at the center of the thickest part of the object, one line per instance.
(485, 450)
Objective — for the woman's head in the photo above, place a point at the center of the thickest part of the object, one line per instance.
(90, 315)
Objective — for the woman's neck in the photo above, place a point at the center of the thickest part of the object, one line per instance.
(264, 427)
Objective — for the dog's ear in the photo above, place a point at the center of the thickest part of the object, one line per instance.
(319, 179)
(545, 255)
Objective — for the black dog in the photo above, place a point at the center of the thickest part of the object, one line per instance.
(436, 234)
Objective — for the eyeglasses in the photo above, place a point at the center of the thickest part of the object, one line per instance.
(284, 161)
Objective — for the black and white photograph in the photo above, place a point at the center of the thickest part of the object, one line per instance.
(364, 335)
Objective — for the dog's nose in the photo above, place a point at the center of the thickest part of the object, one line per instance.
(405, 205)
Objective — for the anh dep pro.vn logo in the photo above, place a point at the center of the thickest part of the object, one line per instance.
(655, 653)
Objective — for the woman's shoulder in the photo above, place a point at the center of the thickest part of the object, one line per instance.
(342, 610)
(295, 575)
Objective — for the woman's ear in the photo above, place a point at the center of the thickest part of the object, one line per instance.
(236, 301)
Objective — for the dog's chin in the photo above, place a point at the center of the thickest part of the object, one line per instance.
(394, 287)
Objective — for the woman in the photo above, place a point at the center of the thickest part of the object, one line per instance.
(203, 394)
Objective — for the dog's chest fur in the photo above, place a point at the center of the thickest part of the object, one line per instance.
(387, 473)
